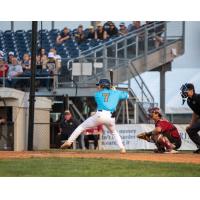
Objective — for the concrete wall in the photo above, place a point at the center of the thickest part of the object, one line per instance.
(19, 102)
(41, 130)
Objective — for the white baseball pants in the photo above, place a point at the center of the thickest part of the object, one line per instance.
(100, 117)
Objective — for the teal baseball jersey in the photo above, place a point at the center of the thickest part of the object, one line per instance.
(108, 99)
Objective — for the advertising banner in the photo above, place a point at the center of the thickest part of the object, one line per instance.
(129, 132)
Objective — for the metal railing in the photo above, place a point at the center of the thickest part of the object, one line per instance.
(145, 94)
(21, 81)
(134, 45)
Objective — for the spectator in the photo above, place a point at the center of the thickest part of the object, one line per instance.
(64, 36)
(51, 63)
(10, 57)
(79, 34)
(15, 70)
(26, 63)
(57, 59)
(100, 33)
(67, 126)
(42, 71)
(159, 30)
(92, 134)
(106, 25)
(122, 29)
(3, 70)
(112, 31)
(134, 26)
(41, 59)
(91, 33)
(26, 66)
(52, 68)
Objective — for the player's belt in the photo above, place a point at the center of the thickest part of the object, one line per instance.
(113, 114)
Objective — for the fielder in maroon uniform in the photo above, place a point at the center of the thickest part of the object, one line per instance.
(165, 135)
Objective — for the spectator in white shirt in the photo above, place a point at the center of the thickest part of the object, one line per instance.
(15, 70)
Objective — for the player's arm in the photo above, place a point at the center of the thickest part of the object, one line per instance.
(124, 95)
(65, 38)
(58, 39)
(157, 130)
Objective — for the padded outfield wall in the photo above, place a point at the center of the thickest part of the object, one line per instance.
(129, 133)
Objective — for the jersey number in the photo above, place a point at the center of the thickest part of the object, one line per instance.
(106, 96)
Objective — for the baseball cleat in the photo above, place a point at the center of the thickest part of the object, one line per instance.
(171, 151)
(66, 145)
(197, 151)
(123, 150)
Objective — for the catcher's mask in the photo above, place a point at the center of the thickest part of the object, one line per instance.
(184, 90)
(104, 83)
(154, 110)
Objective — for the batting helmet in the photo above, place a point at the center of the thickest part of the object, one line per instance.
(154, 110)
(184, 89)
(104, 83)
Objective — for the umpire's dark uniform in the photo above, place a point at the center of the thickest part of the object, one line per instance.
(194, 103)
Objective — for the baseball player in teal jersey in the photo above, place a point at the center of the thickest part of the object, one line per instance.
(107, 100)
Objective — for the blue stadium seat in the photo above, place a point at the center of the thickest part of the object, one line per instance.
(20, 42)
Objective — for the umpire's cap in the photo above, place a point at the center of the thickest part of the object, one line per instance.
(184, 89)
(103, 83)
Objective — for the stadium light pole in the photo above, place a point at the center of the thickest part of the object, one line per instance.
(32, 86)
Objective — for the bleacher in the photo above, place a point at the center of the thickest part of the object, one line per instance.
(128, 56)
(19, 42)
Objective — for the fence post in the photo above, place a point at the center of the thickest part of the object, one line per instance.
(32, 86)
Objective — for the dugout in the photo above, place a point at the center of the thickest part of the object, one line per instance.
(16, 104)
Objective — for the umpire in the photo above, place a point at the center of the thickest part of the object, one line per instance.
(193, 101)
(67, 126)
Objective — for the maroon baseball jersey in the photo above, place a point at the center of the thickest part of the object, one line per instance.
(167, 128)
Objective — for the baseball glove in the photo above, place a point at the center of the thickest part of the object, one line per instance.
(145, 136)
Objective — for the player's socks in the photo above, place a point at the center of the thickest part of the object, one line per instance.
(118, 140)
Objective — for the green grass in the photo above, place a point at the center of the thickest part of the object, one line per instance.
(81, 167)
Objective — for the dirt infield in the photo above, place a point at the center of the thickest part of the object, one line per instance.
(139, 156)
